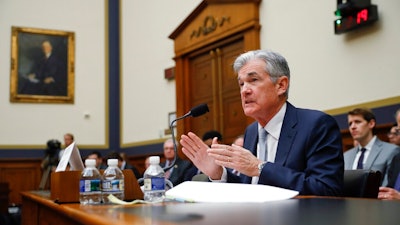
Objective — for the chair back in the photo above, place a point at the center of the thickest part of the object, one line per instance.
(362, 183)
(200, 177)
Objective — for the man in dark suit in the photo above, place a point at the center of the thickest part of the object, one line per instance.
(178, 172)
(303, 147)
(49, 76)
(392, 191)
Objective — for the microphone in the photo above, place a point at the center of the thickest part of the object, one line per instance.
(194, 112)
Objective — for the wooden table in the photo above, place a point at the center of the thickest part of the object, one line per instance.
(38, 208)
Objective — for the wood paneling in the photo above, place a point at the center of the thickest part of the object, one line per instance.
(21, 175)
(206, 44)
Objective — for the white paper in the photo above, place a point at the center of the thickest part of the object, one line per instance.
(196, 191)
(72, 156)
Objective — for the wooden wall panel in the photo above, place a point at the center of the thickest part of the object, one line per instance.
(21, 175)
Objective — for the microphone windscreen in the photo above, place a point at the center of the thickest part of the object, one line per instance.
(199, 110)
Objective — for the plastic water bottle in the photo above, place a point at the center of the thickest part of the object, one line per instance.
(154, 181)
(112, 181)
(89, 184)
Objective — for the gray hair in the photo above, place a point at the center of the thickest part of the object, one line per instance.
(276, 64)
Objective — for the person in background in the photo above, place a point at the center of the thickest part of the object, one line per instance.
(177, 173)
(68, 140)
(303, 148)
(122, 164)
(371, 153)
(96, 155)
(126, 165)
(394, 135)
(210, 135)
(392, 190)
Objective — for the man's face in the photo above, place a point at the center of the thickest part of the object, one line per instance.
(394, 135)
(46, 46)
(169, 150)
(67, 140)
(360, 129)
(260, 97)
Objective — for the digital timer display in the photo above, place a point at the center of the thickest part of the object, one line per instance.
(356, 19)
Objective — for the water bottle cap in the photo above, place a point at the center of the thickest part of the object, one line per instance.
(154, 159)
(90, 162)
(112, 162)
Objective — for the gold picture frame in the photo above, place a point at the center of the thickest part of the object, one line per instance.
(42, 65)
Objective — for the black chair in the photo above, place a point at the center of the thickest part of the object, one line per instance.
(362, 183)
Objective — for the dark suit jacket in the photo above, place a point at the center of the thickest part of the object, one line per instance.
(393, 171)
(309, 156)
(178, 174)
(133, 168)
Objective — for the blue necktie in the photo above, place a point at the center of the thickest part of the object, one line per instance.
(262, 141)
(397, 184)
(361, 159)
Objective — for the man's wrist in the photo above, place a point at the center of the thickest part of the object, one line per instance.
(260, 166)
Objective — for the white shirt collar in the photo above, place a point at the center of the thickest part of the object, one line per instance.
(368, 147)
(274, 126)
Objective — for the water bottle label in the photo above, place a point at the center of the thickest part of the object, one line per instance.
(113, 185)
(89, 185)
(154, 184)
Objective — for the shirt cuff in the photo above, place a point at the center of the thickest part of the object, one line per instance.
(224, 177)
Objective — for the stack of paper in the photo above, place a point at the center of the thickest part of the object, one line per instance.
(195, 191)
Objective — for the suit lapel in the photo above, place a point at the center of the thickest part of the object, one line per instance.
(250, 143)
(288, 132)
(375, 151)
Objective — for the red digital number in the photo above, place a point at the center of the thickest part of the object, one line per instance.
(362, 16)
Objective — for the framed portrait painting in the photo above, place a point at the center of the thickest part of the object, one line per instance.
(42, 65)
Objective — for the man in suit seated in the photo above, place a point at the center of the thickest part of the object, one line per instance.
(122, 164)
(303, 148)
(392, 190)
(177, 173)
(371, 153)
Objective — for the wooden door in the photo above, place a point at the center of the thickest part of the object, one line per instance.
(213, 81)
(206, 44)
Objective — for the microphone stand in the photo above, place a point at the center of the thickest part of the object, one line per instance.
(171, 127)
(194, 112)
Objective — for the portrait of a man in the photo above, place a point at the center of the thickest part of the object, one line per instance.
(41, 70)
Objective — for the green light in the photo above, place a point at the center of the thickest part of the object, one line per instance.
(338, 22)
(337, 13)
